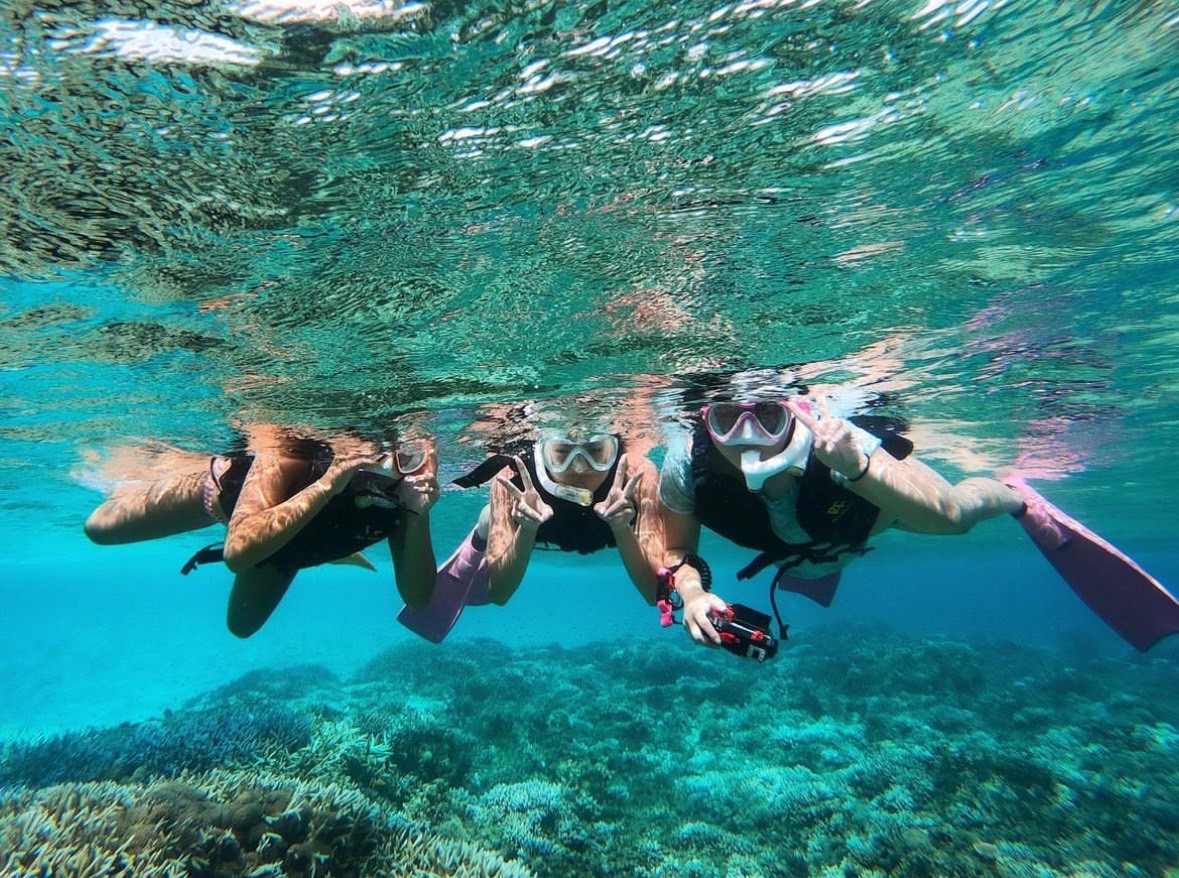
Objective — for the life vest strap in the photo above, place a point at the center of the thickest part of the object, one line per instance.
(207, 555)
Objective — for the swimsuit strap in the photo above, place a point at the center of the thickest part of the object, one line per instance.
(211, 489)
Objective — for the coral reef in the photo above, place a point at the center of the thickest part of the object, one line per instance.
(182, 741)
(222, 824)
(869, 755)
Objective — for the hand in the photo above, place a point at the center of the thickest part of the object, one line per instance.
(528, 510)
(619, 507)
(418, 492)
(696, 620)
(835, 444)
(346, 461)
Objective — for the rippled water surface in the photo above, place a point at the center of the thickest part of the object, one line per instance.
(333, 216)
(468, 219)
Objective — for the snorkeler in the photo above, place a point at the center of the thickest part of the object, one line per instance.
(572, 491)
(806, 489)
(289, 505)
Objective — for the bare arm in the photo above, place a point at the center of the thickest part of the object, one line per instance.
(632, 497)
(271, 510)
(682, 537)
(512, 535)
(157, 509)
(914, 497)
(910, 495)
(411, 546)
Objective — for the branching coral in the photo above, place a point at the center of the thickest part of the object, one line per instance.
(222, 824)
(183, 741)
(623, 760)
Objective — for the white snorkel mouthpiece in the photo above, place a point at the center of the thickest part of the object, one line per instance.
(792, 458)
(580, 496)
(757, 471)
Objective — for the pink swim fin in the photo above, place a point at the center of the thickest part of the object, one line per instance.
(1127, 598)
(462, 580)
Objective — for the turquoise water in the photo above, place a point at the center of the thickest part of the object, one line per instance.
(473, 219)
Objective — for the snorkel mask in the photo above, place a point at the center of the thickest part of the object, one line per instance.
(556, 454)
(752, 426)
(407, 459)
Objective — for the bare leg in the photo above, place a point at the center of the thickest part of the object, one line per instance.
(256, 594)
(918, 499)
(169, 506)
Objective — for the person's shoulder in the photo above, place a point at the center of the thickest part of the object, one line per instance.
(640, 463)
(679, 454)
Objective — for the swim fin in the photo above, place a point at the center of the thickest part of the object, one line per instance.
(463, 579)
(1127, 598)
(820, 590)
(356, 559)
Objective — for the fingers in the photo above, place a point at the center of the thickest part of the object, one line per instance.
(422, 483)
(700, 627)
(524, 515)
(620, 472)
(527, 510)
(804, 417)
(423, 492)
(344, 466)
(357, 457)
(632, 486)
(524, 476)
(620, 508)
(824, 411)
(507, 483)
(621, 505)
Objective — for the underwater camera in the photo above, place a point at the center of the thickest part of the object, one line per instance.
(745, 632)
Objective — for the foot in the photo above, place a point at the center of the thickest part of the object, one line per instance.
(1037, 520)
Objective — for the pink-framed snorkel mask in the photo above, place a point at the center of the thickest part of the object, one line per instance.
(752, 426)
(762, 424)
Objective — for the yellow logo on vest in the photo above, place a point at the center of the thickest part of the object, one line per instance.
(836, 509)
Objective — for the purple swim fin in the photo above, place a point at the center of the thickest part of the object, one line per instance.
(462, 580)
(1127, 598)
(820, 590)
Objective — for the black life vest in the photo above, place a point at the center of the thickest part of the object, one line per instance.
(837, 520)
(343, 527)
(353, 520)
(573, 528)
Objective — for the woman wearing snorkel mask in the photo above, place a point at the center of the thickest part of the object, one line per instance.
(573, 491)
(288, 505)
(805, 489)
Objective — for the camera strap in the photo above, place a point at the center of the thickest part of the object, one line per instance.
(667, 599)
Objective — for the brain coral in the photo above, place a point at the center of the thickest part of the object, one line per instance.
(222, 824)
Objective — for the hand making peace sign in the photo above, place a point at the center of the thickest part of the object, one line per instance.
(529, 511)
(835, 443)
(619, 508)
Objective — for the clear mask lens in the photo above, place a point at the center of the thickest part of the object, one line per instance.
(598, 452)
(411, 457)
(768, 420)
